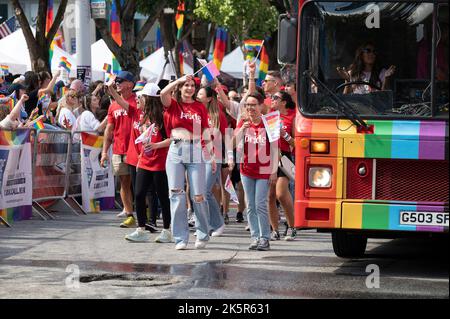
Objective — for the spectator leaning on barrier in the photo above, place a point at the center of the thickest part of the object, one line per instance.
(64, 116)
(88, 120)
(118, 129)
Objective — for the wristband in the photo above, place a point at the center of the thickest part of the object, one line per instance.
(287, 137)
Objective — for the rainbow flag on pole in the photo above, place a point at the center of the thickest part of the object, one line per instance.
(38, 125)
(107, 68)
(179, 17)
(92, 140)
(139, 85)
(263, 65)
(251, 47)
(116, 34)
(220, 47)
(4, 69)
(65, 64)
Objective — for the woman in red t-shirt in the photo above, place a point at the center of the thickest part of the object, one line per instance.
(218, 123)
(258, 170)
(186, 122)
(282, 101)
(151, 163)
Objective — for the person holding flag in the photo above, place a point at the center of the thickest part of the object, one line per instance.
(151, 164)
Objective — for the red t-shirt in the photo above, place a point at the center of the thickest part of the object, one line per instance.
(256, 161)
(287, 121)
(186, 115)
(134, 149)
(122, 125)
(155, 160)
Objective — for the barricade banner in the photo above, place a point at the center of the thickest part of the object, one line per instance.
(16, 185)
(52, 150)
(97, 183)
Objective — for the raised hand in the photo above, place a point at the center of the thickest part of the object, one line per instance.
(390, 71)
(343, 73)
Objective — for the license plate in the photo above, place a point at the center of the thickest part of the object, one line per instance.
(424, 218)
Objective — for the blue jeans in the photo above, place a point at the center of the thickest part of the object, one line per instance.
(184, 157)
(256, 196)
(215, 219)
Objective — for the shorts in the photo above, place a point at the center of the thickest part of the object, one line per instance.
(120, 168)
(280, 172)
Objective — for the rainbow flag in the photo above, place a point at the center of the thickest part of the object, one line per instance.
(181, 58)
(107, 68)
(251, 47)
(12, 102)
(220, 47)
(210, 71)
(92, 140)
(159, 41)
(14, 137)
(65, 64)
(115, 25)
(38, 125)
(139, 85)
(263, 65)
(41, 99)
(4, 69)
(48, 25)
(179, 17)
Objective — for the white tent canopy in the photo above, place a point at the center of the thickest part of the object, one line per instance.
(15, 67)
(233, 63)
(16, 45)
(153, 67)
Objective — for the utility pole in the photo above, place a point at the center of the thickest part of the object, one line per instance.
(83, 40)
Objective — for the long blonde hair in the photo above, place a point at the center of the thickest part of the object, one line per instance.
(213, 107)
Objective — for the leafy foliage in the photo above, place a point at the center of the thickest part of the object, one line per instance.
(243, 18)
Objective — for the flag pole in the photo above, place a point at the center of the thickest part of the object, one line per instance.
(262, 46)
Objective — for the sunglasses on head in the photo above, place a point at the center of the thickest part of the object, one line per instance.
(275, 97)
(369, 50)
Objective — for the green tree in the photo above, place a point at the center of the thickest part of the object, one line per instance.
(39, 44)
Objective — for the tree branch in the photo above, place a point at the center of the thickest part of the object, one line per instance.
(23, 21)
(150, 22)
(103, 28)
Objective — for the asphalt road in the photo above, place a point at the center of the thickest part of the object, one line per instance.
(45, 259)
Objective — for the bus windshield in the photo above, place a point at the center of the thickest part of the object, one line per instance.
(374, 56)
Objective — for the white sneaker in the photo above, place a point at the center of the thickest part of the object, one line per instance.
(139, 236)
(218, 232)
(200, 244)
(181, 245)
(122, 214)
(164, 237)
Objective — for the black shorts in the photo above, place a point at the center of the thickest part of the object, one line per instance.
(280, 172)
(235, 175)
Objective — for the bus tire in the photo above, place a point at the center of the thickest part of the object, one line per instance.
(348, 245)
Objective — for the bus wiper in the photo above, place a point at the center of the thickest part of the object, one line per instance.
(343, 106)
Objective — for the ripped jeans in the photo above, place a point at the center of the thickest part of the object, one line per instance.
(186, 157)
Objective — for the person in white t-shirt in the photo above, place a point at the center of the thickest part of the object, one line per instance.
(365, 68)
(88, 120)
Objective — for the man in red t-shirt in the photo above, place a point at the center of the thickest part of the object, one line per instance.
(118, 130)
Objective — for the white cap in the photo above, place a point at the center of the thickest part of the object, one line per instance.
(150, 89)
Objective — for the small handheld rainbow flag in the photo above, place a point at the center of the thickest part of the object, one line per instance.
(251, 46)
(41, 99)
(107, 68)
(38, 125)
(65, 64)
(4, 69)
(210, 71)
(12, 101)
(139, 85)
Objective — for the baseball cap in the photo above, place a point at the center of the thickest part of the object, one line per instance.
(150, 89)
(127, 76)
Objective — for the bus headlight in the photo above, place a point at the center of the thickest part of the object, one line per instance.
(320, 177)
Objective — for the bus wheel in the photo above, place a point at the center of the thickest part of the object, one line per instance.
(348, 245)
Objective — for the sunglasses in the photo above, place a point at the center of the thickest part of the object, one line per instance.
(251, 105)
(275, 97)
(118, 81)
(369, 50)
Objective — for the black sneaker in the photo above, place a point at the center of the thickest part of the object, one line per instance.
(263, 245)
(151, 228)
(275, 235)
(239, 217)
(254, 245)
(226, 219)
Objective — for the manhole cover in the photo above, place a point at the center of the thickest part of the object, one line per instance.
(128, 280)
